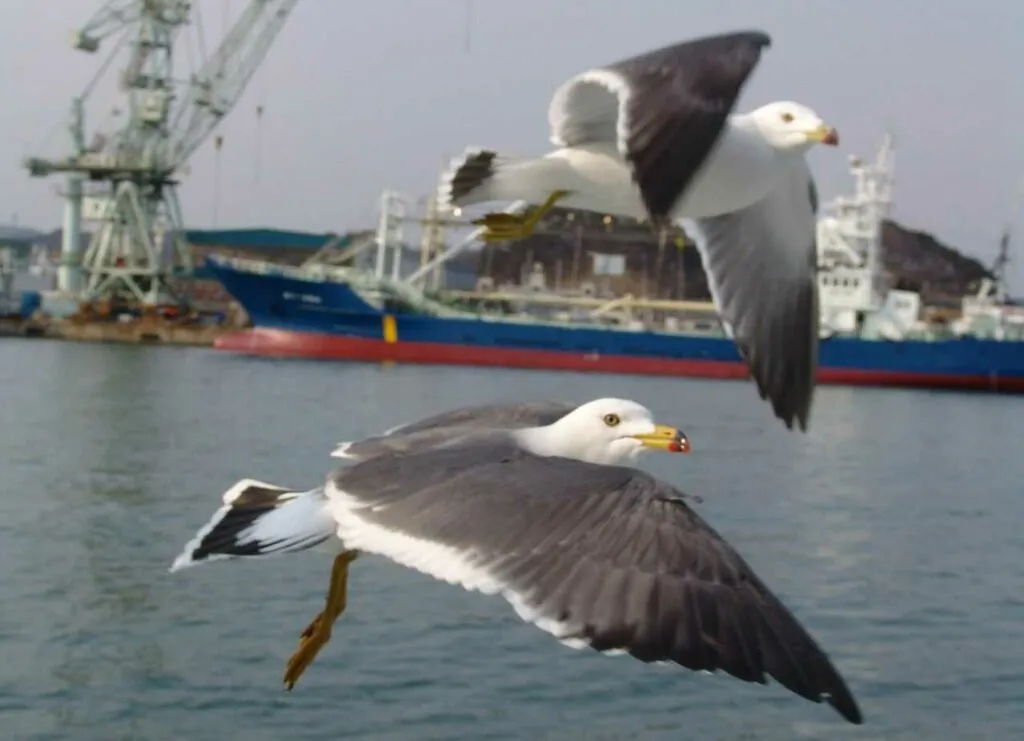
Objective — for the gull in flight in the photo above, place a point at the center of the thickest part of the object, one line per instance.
(549, 517)
(655, 137)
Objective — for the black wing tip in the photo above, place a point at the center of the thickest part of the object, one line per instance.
(752, 35)
(794, 419)
(847, 707)
(838, 696)
(468, 172)
(744, 37)
(792, 409)
(789, 386)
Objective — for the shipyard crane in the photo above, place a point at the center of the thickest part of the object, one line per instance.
(127, 183)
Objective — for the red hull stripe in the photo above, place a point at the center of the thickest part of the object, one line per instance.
(281, 343)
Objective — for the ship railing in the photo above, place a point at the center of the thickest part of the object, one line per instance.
(415, 297)
(323, 272)
(318, 271)
(599, 304)
(623, 302)
(342, 248)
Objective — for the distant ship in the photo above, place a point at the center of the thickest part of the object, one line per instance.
(870, 335)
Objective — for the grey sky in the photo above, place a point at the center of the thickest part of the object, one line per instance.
(360, 96)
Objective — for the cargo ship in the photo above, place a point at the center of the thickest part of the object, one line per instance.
(870, 335)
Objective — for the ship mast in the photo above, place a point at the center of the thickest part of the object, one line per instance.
(1002, 260)
(851, 278)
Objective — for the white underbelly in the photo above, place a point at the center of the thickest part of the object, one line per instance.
(711, 194)
(739, 172)
(599, 180)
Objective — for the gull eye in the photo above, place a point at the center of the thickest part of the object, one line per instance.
(611, 419)
(787, 118)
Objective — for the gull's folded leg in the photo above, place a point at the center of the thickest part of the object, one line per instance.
(318, 633)
(503, 227)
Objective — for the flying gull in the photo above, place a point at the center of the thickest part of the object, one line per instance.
(654, 137)
(598, 554)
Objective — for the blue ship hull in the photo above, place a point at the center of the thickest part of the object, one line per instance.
(303, 317)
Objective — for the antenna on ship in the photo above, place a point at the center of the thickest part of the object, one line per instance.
(1002, 260)
(133, 173)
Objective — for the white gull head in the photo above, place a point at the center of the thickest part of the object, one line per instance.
(603, 431)
(791, 127)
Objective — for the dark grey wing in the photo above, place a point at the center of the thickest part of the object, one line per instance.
(665, 110)
(402, 442)
(520, 414)
(761, 263)
(600, 556)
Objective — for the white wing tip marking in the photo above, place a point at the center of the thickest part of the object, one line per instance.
(184, 559)
(444, 190)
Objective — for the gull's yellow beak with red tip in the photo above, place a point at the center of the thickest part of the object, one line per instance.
(826, 135)
(666, 438)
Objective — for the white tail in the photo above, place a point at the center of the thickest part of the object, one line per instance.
(260, 519)
(484, 175)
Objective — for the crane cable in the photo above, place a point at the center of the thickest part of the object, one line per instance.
(259, 142)
(218, 142)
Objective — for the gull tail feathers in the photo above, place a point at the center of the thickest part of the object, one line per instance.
(484, 175)
(260, 519)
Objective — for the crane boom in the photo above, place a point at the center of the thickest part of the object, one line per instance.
(218, 85)
(127, 184)
(109, 19)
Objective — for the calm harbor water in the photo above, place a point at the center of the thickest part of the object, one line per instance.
(893, 531)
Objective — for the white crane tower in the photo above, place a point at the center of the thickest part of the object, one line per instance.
(132, 175)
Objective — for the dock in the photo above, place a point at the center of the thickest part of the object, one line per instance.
(138, 332)
(97, 322)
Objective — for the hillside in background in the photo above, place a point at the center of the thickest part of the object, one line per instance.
(917, 261)
(913, 259)
(9, 232)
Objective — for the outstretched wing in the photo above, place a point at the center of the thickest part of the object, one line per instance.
(761, 264)
(663, 109)
(600, 556)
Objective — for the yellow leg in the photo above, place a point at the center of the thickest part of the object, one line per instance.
(318, 633)
(503, 227)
